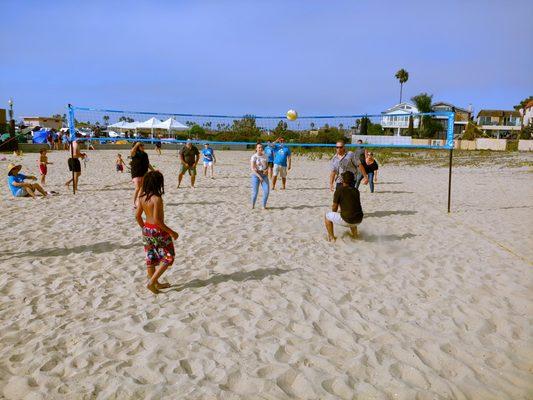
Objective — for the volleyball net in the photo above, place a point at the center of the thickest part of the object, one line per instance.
(432, 130)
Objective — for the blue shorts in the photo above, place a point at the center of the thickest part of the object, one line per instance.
(21, 193)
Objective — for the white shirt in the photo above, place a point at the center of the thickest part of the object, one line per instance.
(260, 162)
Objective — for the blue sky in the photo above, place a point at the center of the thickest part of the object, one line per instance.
(262, 57)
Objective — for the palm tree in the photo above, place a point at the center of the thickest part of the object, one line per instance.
(106, 119)
(423, 103)
(403, 76)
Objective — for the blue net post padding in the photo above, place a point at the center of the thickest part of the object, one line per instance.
(71, 126)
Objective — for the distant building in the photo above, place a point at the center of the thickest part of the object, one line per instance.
(462, 116)
(3, 121)
(43, 122)
(395, 120)
(499, 123)
(528, 113)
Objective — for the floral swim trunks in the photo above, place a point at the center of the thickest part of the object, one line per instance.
(158, 246)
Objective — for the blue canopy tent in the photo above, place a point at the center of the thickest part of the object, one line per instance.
(40, 136)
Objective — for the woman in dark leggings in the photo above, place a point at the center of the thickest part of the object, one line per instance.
(139, 167)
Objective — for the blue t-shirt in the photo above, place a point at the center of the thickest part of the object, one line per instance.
(269, 152)
(281, 154)
(208, 154)
(19, 178)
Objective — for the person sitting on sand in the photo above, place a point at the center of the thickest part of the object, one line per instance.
(371, 168)
(16, 183)
(259, 167)
(119, 162)
(157, 236)
(189, 157)
(43, 165)
(347, 198)
(74, 164)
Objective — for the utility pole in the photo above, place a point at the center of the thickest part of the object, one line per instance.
(11, 119)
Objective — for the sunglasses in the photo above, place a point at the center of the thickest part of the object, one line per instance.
(340, 147)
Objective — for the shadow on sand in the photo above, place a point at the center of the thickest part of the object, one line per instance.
(195, 203)
(240, 276)
(379, 214)
(300, 207)
(393, 191)
(98, 248)
(386, 238)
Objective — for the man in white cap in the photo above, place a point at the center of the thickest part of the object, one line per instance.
(16, 183)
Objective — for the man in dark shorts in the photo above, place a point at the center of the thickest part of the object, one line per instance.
(347, 198)
(158, 146)
(360, 155)
(189, 157)
(74, 164)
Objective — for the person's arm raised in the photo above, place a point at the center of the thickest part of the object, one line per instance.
(134, 148)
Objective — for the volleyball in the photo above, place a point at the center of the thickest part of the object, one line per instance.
(292, 115)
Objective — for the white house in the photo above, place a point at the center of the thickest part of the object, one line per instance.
(396, 119)
(527, 113)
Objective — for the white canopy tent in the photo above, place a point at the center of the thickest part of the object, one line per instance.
(149, 124)
(117, 125)
(172, 125)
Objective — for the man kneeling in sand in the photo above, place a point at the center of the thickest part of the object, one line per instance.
(18, 187)
(347, 197)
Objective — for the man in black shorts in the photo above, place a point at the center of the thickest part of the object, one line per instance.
(74, 164)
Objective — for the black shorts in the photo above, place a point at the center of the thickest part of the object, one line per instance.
(74, 165)
(158, 145)
(270, 165)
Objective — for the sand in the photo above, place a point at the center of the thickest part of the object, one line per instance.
(425, 305)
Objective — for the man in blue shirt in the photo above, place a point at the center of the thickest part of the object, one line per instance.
(16, 183)
(269, 152)
(209, 159)
(282, 163)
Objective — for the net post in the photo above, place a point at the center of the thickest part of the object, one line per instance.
(72, 131)
(449, 144)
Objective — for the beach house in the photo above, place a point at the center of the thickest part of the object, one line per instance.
(395, 120)
(462, 116)
(43, 122)
(499, 123)
(527, 113)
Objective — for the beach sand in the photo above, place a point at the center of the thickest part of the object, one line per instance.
(425, 305)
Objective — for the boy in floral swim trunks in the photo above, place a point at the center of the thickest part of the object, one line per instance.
(157, 237)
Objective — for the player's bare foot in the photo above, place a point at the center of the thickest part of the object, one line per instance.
(331, 239)
(152, 287)
(162, 285)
